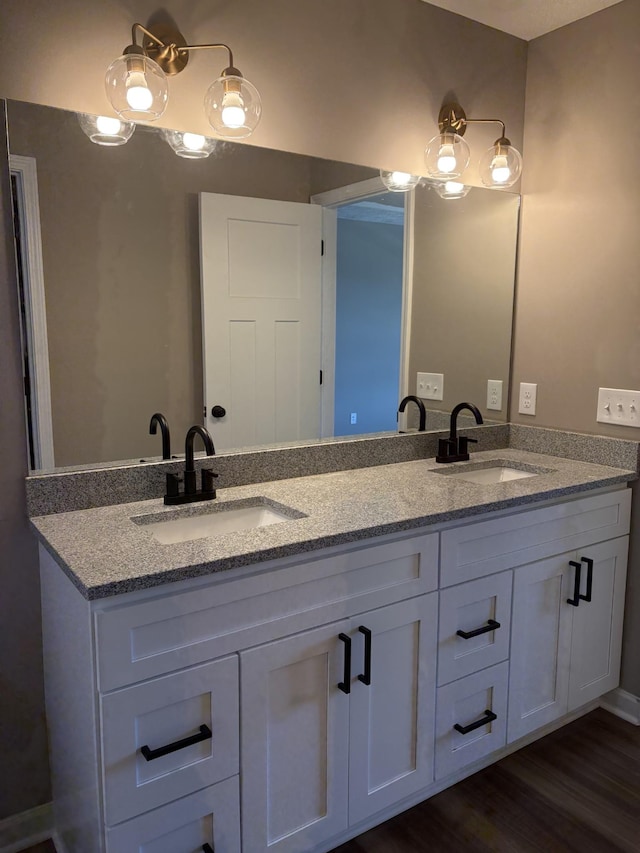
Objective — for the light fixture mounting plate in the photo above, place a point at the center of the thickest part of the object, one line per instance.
(452, 117)
(170, 58)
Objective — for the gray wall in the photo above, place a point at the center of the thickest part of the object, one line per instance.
(464, 269)
(578, 301)
(360, 81)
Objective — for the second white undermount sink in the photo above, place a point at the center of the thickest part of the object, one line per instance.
(501, 471)
(171, 529)
(500, 474)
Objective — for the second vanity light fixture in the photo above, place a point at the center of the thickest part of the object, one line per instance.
(447, 155)
(137, 87)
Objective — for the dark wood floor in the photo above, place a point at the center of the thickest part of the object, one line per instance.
(577, 789)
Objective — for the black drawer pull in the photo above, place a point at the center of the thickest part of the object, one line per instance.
(489, 717)
(365, 678)
(345, 685)
(575, 601)
(150, 754)
(589, 563)
(207, 848)
(491, 625)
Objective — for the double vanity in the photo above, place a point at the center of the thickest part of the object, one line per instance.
(300, 659)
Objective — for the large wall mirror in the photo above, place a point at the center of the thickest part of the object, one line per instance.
(156, 271)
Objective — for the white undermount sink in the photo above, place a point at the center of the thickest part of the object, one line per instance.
(500, 474)
(501, 471)
(215, 521)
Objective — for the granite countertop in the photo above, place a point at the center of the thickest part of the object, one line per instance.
(105, 552)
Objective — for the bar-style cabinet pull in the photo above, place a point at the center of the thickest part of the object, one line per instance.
(589, 563)
(151, 754)
(489, 717)
(207, 848)
(345, 685)
(575, 601)
(365, 678)
(491, 625)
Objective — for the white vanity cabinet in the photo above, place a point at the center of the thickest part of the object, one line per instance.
(337, 724)
(306, 699)
(566, 650)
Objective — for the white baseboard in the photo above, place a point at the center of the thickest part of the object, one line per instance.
(622, 704)
(27, 828)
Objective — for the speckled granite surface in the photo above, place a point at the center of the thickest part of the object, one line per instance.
(105, 553)
(68, 490)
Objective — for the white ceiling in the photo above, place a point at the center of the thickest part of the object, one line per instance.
(526, 19)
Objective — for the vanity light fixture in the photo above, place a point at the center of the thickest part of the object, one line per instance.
(447, 155)
(191, 146)
(137, 87)
(106, 130)
(399, 182)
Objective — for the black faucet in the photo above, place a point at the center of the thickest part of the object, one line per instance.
(455, 448)
(191, 492)
(420, 405)
(160, 419)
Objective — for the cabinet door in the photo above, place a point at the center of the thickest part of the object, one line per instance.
(541, 644)
(596, 637)
(392, 717)
(295, 730)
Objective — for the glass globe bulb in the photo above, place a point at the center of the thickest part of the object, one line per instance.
(399, 182)
(137, 87)
(191, 146)
(501, 165)
(451, 189)
(446, 156)
(233, 106)
(106, 130)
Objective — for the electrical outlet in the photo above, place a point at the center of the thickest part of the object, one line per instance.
(617, 406)
(354, 417)
(528, 394)
(494, 394)
(430, 386)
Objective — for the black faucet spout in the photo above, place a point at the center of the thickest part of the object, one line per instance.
(159, 420)
(191, 492)
(456, 448)
(423, 414)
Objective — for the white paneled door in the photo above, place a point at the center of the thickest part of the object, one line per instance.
(261, 306)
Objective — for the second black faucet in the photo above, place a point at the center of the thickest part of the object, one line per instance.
(191, 493)
(456, 448)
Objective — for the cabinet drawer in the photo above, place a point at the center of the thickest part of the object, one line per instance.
(465, 703)
(208, 817)
(487, 547)
(202, 703)
(471, 609)
(170, 632)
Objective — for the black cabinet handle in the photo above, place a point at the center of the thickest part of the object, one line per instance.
(489, 717)
(575, 601)
(589, 563)
(491, 625)
(366, 677)
(151, 754)
(207, 848)
(218, 412)
(345, 685)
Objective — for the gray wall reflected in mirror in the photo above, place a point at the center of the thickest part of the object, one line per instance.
(122, 278)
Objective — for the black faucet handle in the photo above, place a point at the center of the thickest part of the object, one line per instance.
(208, 476)
(463, 442)
(173, 485)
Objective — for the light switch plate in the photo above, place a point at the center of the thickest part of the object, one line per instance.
(430, 386)
(527, 399)
(619, 407)
(494, 394)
